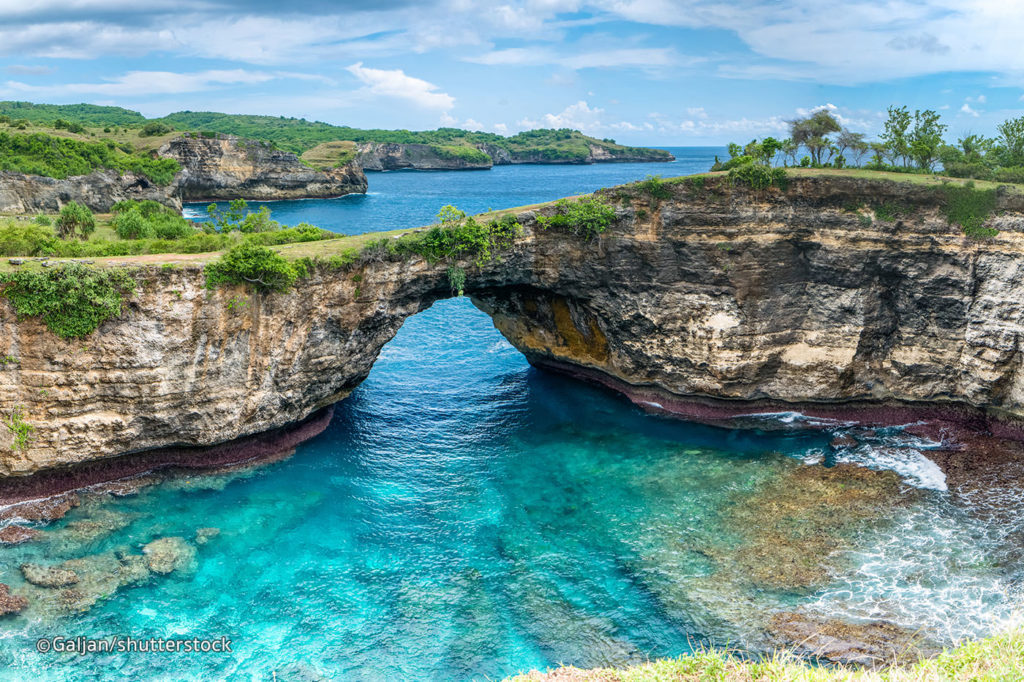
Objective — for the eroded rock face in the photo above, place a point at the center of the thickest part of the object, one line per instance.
(98, 191)
(381, 156)
(228, 167)
(712, 303)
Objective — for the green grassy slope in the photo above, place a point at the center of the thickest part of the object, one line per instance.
(299, 135)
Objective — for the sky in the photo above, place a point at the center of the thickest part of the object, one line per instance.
(655, 72)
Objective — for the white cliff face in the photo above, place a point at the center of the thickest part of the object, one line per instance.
(717, 293)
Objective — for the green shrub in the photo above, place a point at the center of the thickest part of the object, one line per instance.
(26, 239)
(75, 219)
(42, 220)
(1014, 174)
(969, 208)
(21, 429)
(456, 279)
(253, 265)
(131, 225)
(586, 217)
(72, 300)
(154, 129)
(654, 187)
(978, 171)
(735, 162)
(759, 176)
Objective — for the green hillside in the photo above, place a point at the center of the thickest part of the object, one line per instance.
(299, 135)
(86, 114)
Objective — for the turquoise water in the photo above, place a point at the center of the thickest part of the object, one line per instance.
(466, 516)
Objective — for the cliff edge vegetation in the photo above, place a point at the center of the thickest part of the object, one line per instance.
(994, 659)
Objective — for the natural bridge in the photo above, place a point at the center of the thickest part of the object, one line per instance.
(838, 294)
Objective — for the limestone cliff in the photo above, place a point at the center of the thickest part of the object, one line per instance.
(20, 193)
(227, 167)
(376, 156)
(382, 156)
(594, 153)
(717, 296)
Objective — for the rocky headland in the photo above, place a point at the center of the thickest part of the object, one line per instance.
(220, 167)
(225, 167)
(380, 156)
(715, 301)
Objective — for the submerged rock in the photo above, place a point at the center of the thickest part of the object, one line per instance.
(15, 535)
(792, 526)
(876, 643)
(11, 603)
(48, 576)
(166, 555)
(46, 509)
(204, 535)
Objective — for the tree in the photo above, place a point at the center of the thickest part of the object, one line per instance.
(854, 143)
(789, 150)
(769, 148)
(75, 218)
(879, 153)
(926, 138)
(1011, 141)
(812, 132)
(975, 147)
(734, 150)
(895, 135)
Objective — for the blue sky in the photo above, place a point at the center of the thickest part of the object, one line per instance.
(670, 72)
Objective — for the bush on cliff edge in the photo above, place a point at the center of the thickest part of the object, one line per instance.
(253, 265)
(72, 300)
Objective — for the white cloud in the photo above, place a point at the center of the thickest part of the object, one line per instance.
(966, 109)
(394, 83)
(578, 116)
(149, 83)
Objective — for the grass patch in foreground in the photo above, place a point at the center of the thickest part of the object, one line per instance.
(995, 659)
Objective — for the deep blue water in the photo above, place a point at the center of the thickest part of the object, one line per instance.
(399, 199)
(466, 516)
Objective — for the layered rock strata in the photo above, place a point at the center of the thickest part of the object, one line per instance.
(718, 301)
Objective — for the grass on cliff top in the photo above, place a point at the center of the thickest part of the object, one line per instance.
(999, 658)
(342, 244)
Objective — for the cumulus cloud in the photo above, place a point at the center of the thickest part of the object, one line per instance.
(394, 83)
(579, 116)
(966, 109)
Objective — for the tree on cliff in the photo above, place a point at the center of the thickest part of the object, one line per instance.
(895, 135)
(813, 133)
(926, 138)
(1011, 141)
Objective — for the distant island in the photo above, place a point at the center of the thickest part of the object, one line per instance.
(323, 146)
